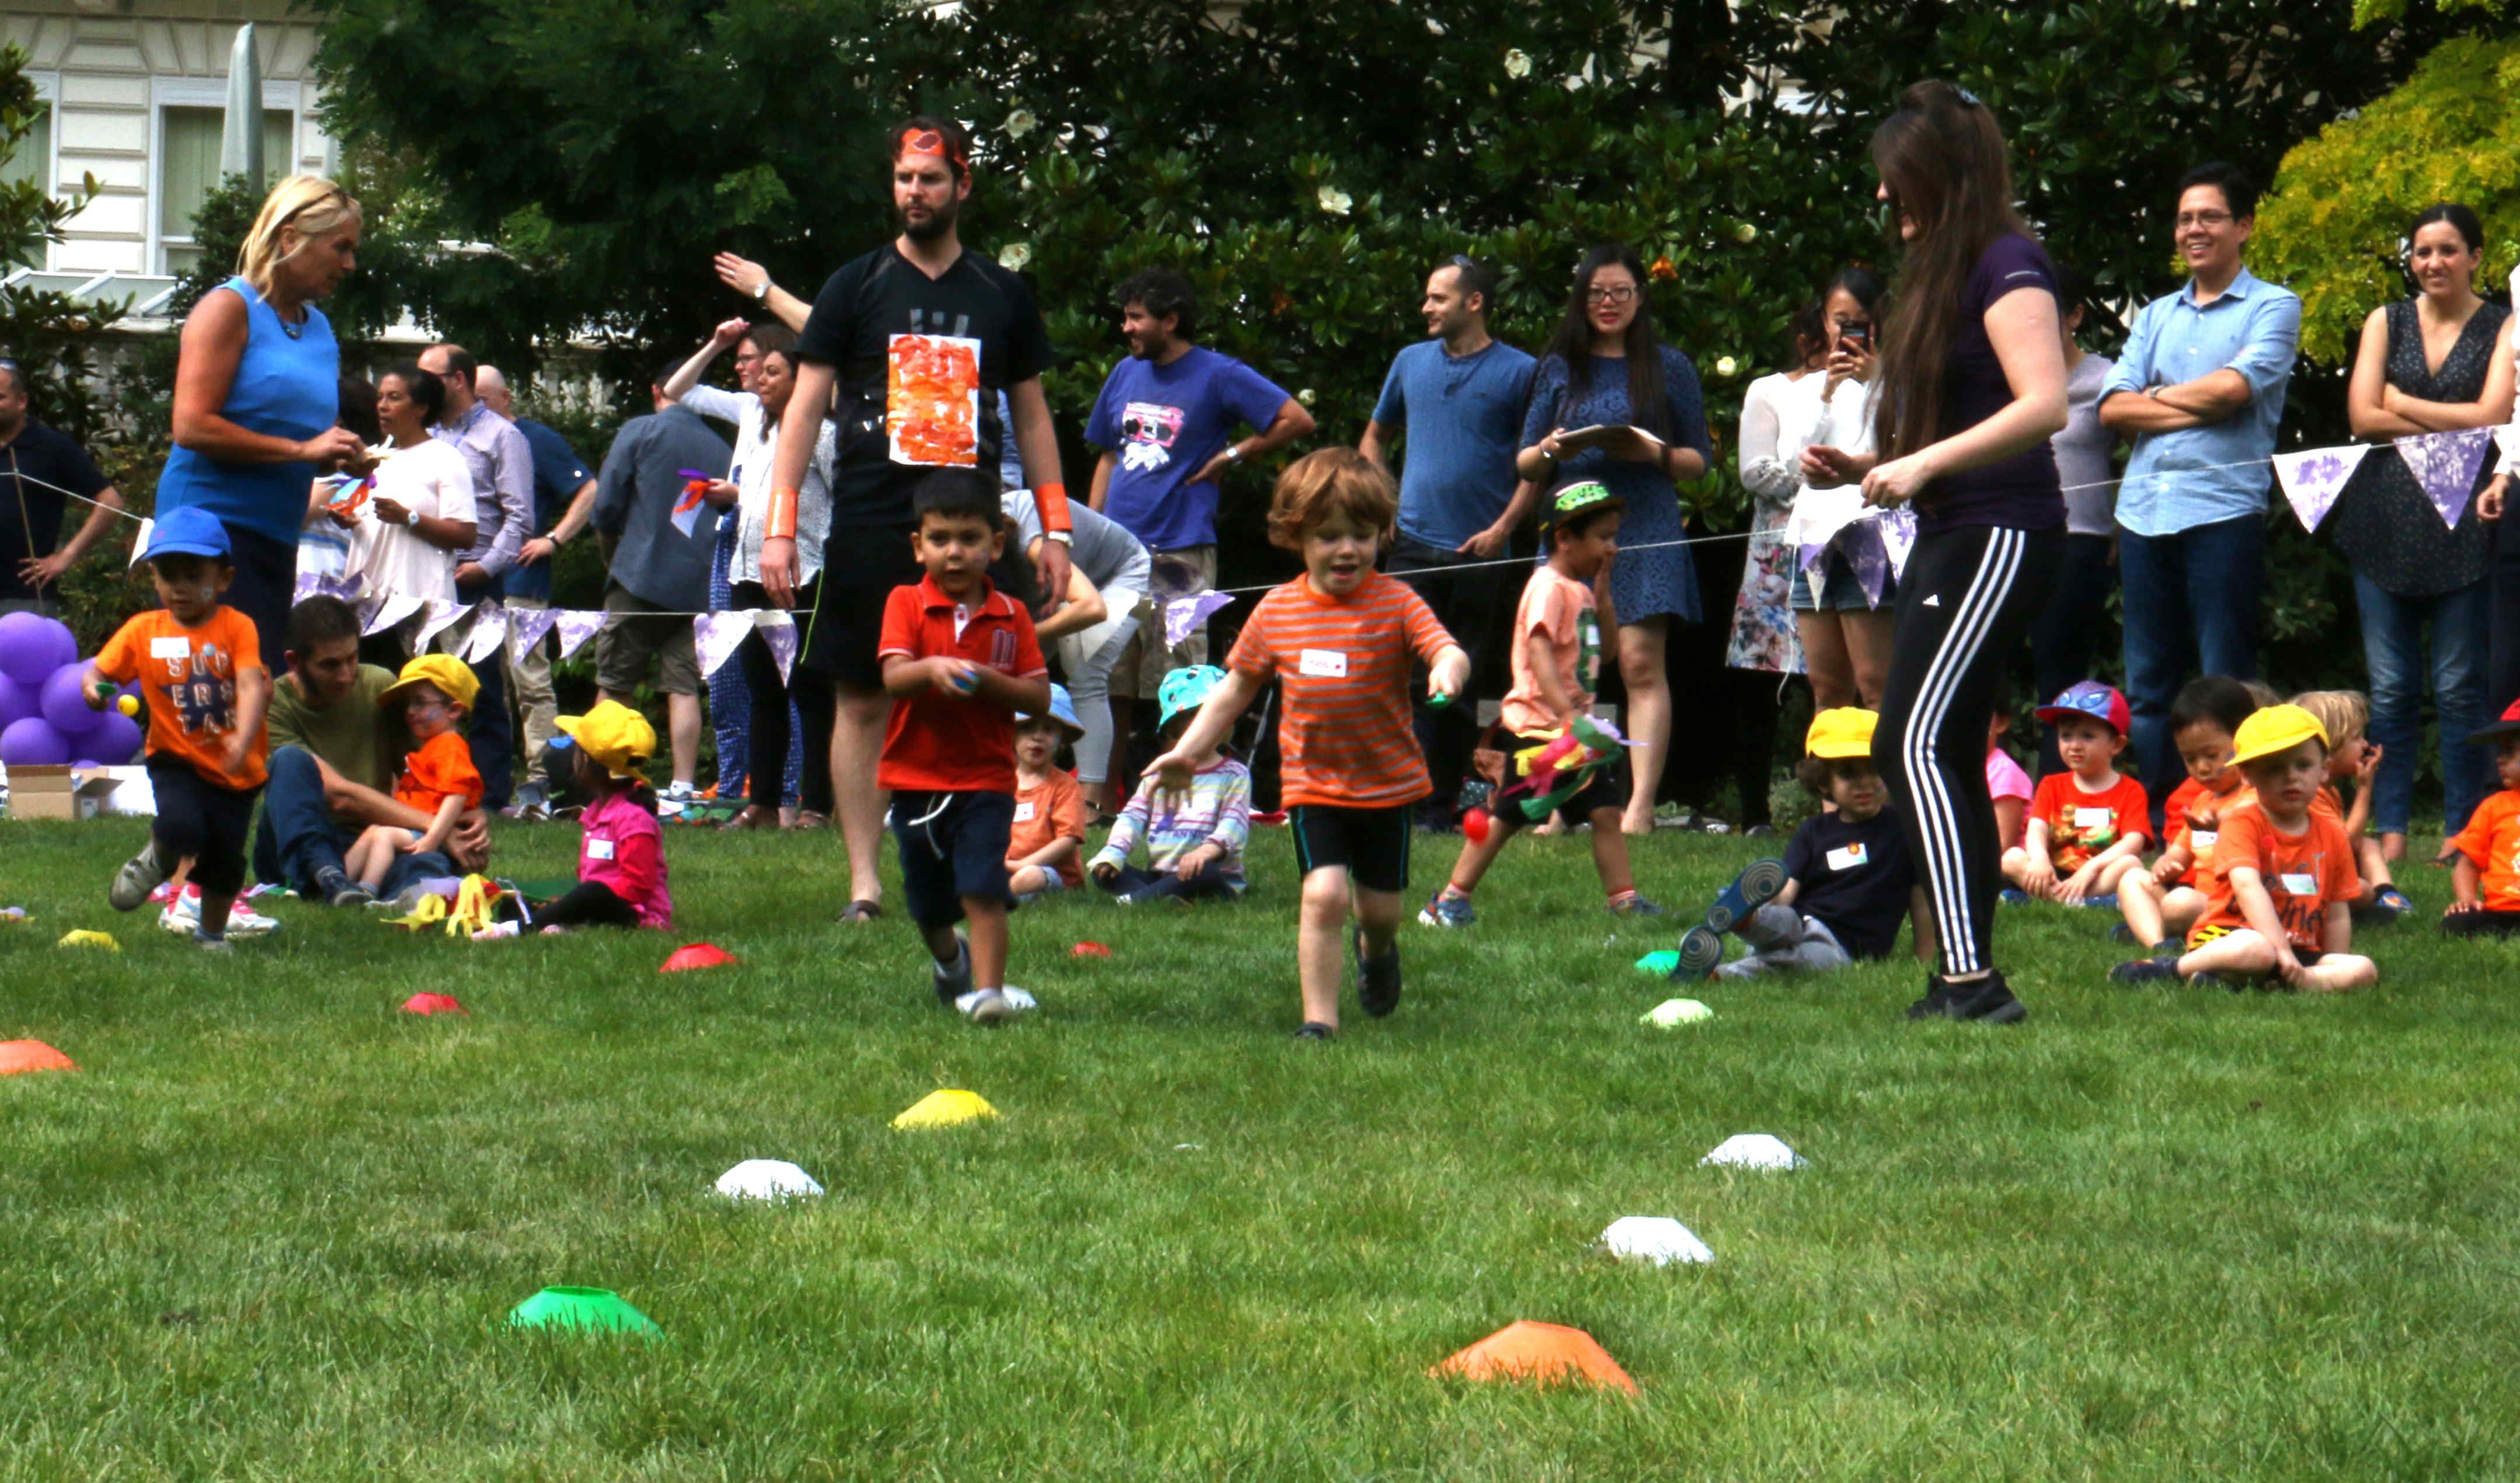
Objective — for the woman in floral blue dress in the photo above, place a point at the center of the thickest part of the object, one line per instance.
(1607, 368)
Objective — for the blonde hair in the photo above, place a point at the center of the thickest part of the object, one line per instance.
(313, 206)
(2341, 713)
(1329, 483)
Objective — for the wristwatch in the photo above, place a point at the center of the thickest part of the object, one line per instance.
(761, 295)
(411, 517)
(1233, 453)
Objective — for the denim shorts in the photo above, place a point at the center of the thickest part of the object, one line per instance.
(1839, 592)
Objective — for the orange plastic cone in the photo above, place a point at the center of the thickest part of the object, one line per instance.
(698, 955)
(432, 1003)
(1546, 1353)
(18, 1056)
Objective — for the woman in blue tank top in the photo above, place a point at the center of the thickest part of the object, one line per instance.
(256, 393)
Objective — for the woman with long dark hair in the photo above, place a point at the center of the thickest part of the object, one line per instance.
(1972, 386)
(1607, 368)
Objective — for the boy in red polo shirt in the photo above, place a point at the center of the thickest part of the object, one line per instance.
(960, 661)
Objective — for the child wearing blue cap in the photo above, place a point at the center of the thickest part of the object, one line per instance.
(1195, 841)
(1046, 843)
(201, 663)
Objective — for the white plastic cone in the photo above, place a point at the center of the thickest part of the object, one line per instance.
(1754, 1150)
(767, 1179)
(1655, 1238)
(1672, 1013)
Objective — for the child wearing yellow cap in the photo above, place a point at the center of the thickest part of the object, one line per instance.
(2283, 874)
(435, 693)
(620, 849)
(1845, 881)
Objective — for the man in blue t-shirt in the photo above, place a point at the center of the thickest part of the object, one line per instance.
(1165, 423)
(563, 501)
(1461, 396)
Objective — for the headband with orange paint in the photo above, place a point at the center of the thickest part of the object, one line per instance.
(914, 140)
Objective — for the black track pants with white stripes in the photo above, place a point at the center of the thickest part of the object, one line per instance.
(1965, 602)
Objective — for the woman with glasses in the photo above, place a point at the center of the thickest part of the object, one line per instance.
(256, 387)
(1607, 368)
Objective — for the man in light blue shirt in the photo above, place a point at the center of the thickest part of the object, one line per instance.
(1459, 394)
(2201, 389)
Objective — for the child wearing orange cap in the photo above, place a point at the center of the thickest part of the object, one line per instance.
(620, 849)
(2285, 879)
(438, 779)
(2485, 867)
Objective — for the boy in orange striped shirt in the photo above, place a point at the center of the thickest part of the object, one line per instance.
(1338, 640)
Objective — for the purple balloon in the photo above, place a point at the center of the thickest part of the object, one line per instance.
(18, 701)
(114, 741)
(65, 705)
(32, 647)
(32, 742)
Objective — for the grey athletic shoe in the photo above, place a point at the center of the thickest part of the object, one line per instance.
(953, 980)
(140, 875)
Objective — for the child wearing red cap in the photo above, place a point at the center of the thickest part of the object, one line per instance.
(2485, 870)
(2088, 824)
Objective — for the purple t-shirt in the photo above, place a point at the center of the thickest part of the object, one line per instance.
(2021, 492)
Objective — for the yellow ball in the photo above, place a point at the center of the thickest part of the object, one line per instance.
(130, 705)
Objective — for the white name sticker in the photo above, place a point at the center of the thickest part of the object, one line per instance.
(1846, 858)
(1023, 812)
(2086, 817)
(2299, 885)
(171, 646)
(2201, 839)
(598, 849)
(1324, 664)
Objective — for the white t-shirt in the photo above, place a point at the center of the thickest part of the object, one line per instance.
(756, 448)
(1805, 421)
(429, 479)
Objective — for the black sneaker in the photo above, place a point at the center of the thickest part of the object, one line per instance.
(1936, 1004)
(1988, 1000)
(1314, 1029)
(1378, 979)
(2145, 971)
(338, 888)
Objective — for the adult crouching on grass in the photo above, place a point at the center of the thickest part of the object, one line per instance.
(1972, 386)
(334, 755)
(257, 386)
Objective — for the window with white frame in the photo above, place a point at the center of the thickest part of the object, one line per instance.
(189, 137)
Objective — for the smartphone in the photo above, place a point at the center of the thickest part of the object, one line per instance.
(1857, 336)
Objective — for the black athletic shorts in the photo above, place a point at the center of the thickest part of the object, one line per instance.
(1371, 842)
(861, 566)
(953, 848)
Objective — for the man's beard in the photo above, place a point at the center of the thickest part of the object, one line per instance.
(940, 222)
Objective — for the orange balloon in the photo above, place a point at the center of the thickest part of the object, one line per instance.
(1548, 1353)
(18, 1056)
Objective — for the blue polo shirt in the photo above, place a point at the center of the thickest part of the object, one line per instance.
(557, 473)
(2181, 480)
(1464, 420)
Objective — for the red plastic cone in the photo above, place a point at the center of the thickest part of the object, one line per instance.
(1089, 950)
(432, 1003)
(18, 1056)
(697, 955)
(1545, 1353)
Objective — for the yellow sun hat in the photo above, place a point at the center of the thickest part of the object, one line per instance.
(451, 675)
(617, 737)
(1845, 731)
(2275, 729)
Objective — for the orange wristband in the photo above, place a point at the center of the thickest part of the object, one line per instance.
(1052, 501)
(781, 525)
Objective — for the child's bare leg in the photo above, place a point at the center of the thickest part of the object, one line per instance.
(2140, 899)
(1026, 880)
(1611, 852)
(2372, 863)
(175, 881)
(989, 920)
(2341, 973)
(2180, 907)
(942, 944)
(2114, 873)
(2017, 866)
(1321, 943)
(2242, 955)
(1476, 855)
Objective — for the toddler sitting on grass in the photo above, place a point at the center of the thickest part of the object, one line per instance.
(2485, 870)
(622, 849)
(2166, 901)
(438, 779)
(1195, 841)
(1045, 842)
(2088, 824)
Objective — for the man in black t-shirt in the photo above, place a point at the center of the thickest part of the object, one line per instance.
(906, 350)
(37, 464)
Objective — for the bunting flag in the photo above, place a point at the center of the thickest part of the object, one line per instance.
(489, 631)
(390, 608)
(694, 495)
(576, 626)
(2313, 478)
(778, 629)
(1870, 556)
(315, 584)
(1182, 615)
(442, 615)
(1898, 536)
(525, 629)
(2446, 465)
(717, 635)
(140, 542)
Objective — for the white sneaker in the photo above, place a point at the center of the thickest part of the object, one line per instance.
(986, 1007)
(496, 930)
(183, 916)
(674, 799)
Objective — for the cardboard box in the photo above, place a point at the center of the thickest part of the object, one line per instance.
(60, 792)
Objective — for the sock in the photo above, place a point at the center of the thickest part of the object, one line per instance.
(683, 785)
(1455, 889)
(1627, 894)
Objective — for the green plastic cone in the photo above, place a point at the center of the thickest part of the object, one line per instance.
(593, 1309)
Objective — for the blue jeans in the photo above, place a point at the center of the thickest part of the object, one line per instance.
(493, 732)
(2191, 596)
(298, 839)
(2393, 646)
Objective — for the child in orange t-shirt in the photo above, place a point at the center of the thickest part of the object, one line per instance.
(1046, 842)
(201, 663)
(2284, 882)
(2484, 873)
(2088, 824)
(2343, 714)
(1338, 640)
(1556, 668)
(2165, 901)
(438, 779)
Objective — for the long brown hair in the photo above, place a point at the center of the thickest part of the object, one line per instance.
(1943, 160)
(1573, 344)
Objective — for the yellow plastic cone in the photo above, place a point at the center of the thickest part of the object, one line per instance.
(944, 1109)
(82, 938)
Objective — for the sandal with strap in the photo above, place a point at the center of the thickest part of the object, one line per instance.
(752, 816)
(861, 911)
(807, 819)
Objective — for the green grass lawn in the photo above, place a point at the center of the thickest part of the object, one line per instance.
(271, 1229)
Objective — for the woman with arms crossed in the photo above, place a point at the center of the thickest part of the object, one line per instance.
(1972, 386)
